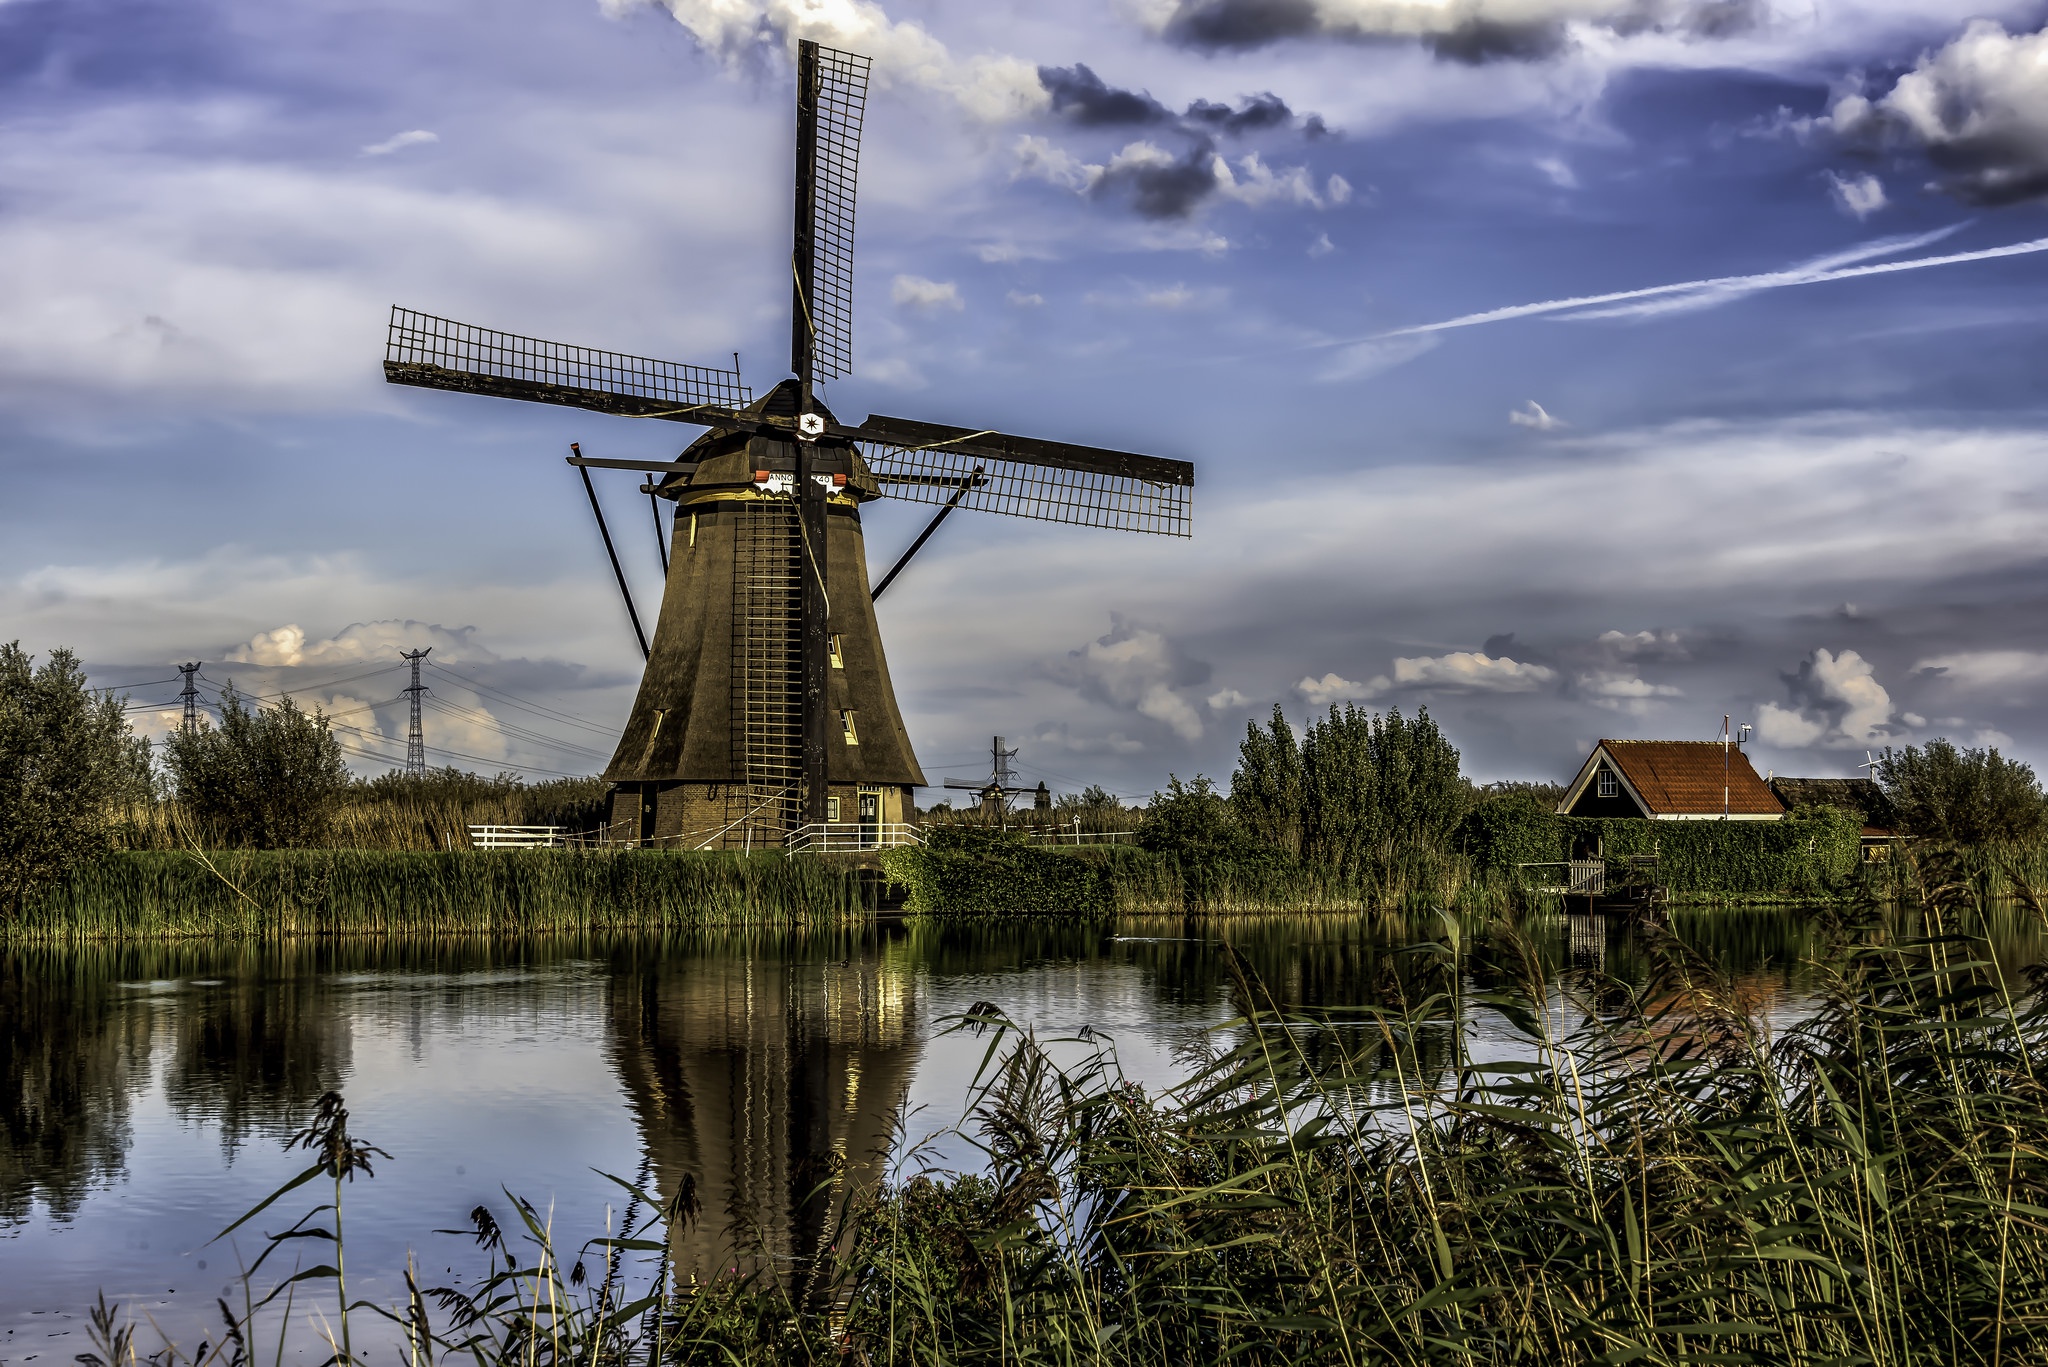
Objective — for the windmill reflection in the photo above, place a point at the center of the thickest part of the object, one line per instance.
(758, 1068)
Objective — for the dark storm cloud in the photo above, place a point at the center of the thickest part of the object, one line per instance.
(1242, 23)
(1085, 99)
(1081, 96)
(1471, 39)
(1478, 41)
(1265, 110)
(1164, 188)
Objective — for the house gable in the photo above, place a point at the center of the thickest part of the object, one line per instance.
(1673, 780)
(1602, 790)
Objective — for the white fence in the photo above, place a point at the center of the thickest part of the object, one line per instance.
(1058, 835)
(514, 837)
(832, 837)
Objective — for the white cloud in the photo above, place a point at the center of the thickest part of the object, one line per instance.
(927, 296)
(411, 138)
(1533, 415)
(1337, 189)
(1136, 668)
(1226, 700)
(1860, 196)
(1171, 297)
(1256, 184)
(1322, 246)
(1990, 669)
(1625, 692)
(991, 88)
(1643, 645)
(1470, 671)
(289, 646)
(1790, 730)
(1363, 360)
(1038, 159)
(1025, 301)
(1557, 172)
(1335, 688)
(1980, 107)
(893, 372)
(1836, 701)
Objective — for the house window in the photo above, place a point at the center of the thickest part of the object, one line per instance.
(838, 660)
(846, 724)
(1608, 786)
(831, 809)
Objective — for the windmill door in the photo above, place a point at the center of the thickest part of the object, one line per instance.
(870, 819)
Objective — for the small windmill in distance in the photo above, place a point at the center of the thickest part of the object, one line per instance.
(999, 789)
(766, 709)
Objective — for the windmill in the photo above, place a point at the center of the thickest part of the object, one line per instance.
(766, 713)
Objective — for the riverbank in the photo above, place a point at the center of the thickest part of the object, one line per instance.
(231, 894)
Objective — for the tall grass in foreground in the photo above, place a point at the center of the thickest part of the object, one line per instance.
(1647, 1177)
(240, 893)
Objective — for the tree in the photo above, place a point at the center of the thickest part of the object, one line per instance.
(1358, 788)
(66, 758)
(1962, 797)
(1266, 789)
(270, 778)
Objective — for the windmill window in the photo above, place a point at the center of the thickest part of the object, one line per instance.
(1608, 786)
(846, 724)
(831, 809)
(838, 660)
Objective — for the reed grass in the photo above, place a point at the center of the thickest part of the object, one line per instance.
(277, 893)
(1631, 1174)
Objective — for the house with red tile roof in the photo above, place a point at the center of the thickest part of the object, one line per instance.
(1670, 780)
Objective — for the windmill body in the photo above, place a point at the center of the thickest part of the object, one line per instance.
(766, 716)
(714, 749)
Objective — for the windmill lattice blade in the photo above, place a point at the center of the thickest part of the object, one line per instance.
(437, 353)
(1051, 481)
(825, 228)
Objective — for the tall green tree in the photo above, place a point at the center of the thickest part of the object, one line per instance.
(67, 759)
(267, 777)
(1966, 797)
(1359, 787)
(1266, 789)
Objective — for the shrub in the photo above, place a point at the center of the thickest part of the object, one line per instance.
(66, 756)
(270, 778)
(1966, 798)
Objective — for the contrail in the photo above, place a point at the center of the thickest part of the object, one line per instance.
(1813, 273)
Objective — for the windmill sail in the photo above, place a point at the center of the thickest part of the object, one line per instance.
(439, 353)
(1052, 481)
(832, 92)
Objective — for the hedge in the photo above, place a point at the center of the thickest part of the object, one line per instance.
(1812, 853)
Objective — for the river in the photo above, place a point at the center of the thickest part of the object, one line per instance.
(146, 1092)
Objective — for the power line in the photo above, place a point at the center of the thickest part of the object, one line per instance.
(523, 703)
(511, 731)
(308, 686)
(478, 759)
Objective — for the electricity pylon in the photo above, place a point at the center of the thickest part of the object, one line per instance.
(415, 739)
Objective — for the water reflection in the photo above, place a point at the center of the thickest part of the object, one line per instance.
(751, 1065)
(759, 1069)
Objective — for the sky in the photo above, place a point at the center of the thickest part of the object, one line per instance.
(1570, 368)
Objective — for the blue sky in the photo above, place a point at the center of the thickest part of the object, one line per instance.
(1221, 230)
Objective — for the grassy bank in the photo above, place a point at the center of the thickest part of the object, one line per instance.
(235, 893)
(1629, 1174)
